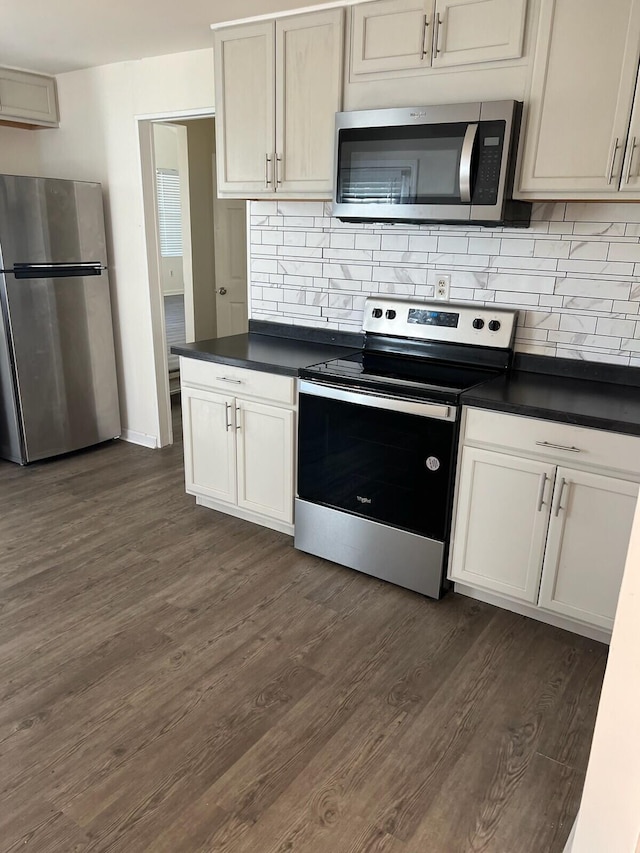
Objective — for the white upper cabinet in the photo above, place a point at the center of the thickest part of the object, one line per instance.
(391, 35)
(477, 31)
(396, 35)
(27, 98)
(278, 87)
(576, 142)
(245, 108)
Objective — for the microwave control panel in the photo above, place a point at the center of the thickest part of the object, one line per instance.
(490, 147)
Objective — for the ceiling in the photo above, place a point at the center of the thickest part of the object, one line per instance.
(70, 34)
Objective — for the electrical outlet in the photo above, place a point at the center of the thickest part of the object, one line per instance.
(442, 286)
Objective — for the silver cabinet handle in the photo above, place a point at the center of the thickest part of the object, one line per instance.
(627, 174)
(559, 506)
(238, 416)
(571, 449)
(278, 170)
(466, 158)
(227, 379)
(437, 21)
(227, 410)
(425, 30)
(612, 164)
(543, 483)
(268, 179)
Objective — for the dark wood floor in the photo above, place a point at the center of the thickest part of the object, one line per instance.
(174, 680)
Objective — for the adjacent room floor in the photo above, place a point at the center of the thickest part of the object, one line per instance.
(175, 680)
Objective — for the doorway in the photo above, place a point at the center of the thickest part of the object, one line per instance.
(196, 247)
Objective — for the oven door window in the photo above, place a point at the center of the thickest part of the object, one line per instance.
(405, 165)
(387, 466)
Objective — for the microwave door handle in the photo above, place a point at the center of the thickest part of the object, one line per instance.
(466, 158)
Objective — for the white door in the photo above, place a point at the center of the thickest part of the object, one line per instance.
(478, 31)
(501, 523)
(587, 547)
(209, 444)
(583, 79)
(245, 108)
(309, 62)
(391, 35)
(230, 253)
(265, 459)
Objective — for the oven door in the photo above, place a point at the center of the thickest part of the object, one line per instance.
(379, 458)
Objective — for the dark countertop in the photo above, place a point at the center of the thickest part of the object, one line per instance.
(591, 394)
(273, 354)
(580, 401)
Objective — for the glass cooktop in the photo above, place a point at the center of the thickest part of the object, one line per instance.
(400, 375)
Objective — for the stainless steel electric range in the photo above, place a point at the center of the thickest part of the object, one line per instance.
(378, 437)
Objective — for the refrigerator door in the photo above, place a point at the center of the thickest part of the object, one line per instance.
(61, 343)
(46, 220)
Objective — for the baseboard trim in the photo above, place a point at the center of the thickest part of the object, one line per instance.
(572, 835)
(245, 515)
(140, 438)
(598, 634)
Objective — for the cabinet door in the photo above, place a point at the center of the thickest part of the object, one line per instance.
(391, 35)
(583, 79)
(501, 523)
(630, 180)
(245, 108)
(209, 444)
(265, 459)
(587, 546)
(28, 97)
(478, 31)
(309, 60)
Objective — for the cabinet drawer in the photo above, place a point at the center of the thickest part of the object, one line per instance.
(237, 380)
(532, 435)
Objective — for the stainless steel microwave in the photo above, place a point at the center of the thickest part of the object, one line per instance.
(450, 163)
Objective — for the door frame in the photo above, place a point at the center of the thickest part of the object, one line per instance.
(156, 302)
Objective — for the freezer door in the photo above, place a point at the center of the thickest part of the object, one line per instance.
(61, 343)
(47, 220)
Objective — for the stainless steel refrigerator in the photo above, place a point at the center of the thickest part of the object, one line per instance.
(58, 387)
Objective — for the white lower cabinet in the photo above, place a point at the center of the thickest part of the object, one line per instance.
(238, 452)
(587, 545)
(535, 533)
(499, 541)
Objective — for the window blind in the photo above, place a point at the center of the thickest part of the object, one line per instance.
(169, 212)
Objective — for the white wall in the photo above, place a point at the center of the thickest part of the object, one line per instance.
(20, 151)
(609, 818)
(98, 140)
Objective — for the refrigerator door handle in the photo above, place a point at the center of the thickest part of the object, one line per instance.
(57, 270)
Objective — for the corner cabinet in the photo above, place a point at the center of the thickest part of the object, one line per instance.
(396, 35)
(278, 88)
(239, 441)
(28, 99)
(543, 518)
(582, 131)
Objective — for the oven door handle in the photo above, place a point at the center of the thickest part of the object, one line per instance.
(466, 158)
(379, 401)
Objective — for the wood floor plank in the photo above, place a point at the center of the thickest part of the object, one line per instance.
(174, 680)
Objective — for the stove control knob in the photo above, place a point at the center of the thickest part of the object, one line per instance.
(377, 313)
(494, 325)
(391, 314)
(478, 323)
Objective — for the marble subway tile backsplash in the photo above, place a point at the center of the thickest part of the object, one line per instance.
(574, 275)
